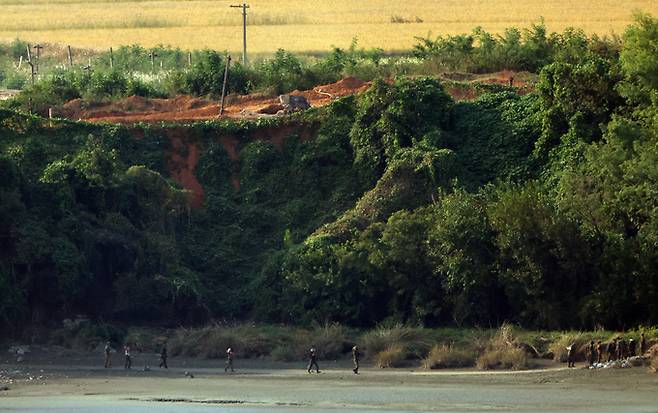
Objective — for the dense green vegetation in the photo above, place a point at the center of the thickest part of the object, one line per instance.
(133, 72)
(406, 207)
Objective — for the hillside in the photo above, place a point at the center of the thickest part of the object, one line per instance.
(396, 204)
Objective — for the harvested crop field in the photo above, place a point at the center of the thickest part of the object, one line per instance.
(293, 25)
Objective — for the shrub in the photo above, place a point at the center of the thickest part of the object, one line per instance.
(446, 356)
(285, 352)
(15, 80)
(393, 356)
(144, 340)
(415, 342)
(330, 341)
(654, 363)
(581, 346)
(502, 352)
(87, 335)
(503, 358)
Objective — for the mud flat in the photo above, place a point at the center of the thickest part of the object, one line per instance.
(257, 386)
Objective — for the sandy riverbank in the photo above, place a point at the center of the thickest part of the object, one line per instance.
(77, 383)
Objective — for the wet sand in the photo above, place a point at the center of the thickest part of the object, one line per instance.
(261, 386)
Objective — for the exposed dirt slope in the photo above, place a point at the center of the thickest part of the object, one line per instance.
(185, 108)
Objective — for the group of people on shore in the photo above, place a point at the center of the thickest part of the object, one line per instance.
(230, 355)
(617, 349)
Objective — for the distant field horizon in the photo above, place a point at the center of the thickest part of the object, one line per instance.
(298, 26)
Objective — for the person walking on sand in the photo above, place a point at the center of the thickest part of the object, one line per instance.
(355, 359)
(229, 360)
(163, 356)
(313, 361)
(126, 351)
(107, 351)
(599, 352)
(570, 356)
(592, 353)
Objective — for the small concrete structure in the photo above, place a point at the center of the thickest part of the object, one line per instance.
(292, 103)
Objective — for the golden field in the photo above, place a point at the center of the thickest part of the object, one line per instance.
(300, 26)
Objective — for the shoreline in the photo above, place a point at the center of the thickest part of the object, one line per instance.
(287, 387)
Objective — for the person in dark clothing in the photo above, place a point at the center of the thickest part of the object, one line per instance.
(355, 359)
(107, 351)
(612, 350)
(229, 360)
(643, 344)
(163, 356)
(592, 353)
(126, 351)
(632, 348)
(621, 348)
(599, 352)
(570, 356)
(313, 360)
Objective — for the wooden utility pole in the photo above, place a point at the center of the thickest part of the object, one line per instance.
(152, 56)
(244, 7)
(228, 63)
(29, 62)
(70, 55)
(38, 48)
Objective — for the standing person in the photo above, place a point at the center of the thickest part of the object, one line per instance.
(163, 356)
(126, 351)
(355, 359)
(313, 360)
(229, 360)
(107, 351)
(570, 356)
(621, 348)
(612, 349)
(592, 353)
(599, 352)
(643, 344)
(632, 348)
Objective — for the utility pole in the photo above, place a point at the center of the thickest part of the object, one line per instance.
(111, 59)
(152, 56)
(70, 55)
(38, 47)
(244, 7)
(29, 62)
(228, 63)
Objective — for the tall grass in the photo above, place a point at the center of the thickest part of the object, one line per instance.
(414, 342)
(251, 341)
(502, 352)
(447, 356)
(393, 356)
